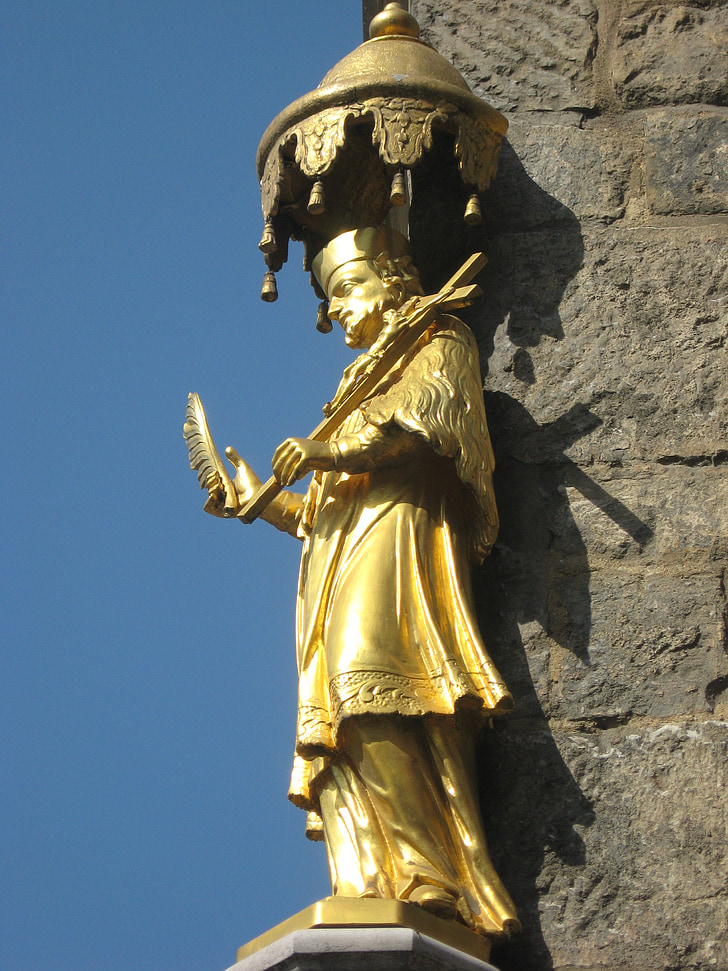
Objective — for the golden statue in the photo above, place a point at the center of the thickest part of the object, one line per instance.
(394, 679)
(393, 675)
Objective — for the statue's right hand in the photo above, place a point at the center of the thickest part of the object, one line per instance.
(228, 496)
(220, 496)
(246, 482)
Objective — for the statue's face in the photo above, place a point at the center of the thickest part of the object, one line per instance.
(357, 299)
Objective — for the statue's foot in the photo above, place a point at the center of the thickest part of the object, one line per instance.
(436, 901)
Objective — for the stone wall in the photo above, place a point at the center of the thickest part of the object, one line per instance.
(603, 339)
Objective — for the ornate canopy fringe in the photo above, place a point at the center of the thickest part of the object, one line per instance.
(336, 159)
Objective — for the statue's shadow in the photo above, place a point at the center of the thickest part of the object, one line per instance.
(533, 808)
(534, 604)
(533, 592)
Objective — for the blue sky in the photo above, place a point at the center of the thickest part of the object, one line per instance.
(148, 690)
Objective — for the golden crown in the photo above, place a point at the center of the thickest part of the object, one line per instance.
(358, 244)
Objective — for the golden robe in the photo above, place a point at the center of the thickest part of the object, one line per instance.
(385, 620)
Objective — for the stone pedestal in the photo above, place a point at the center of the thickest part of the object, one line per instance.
(352, 934)
(359, 949)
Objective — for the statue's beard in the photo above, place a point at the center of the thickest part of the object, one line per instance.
(363, 329)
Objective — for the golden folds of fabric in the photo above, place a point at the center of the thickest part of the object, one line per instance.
(385, 621)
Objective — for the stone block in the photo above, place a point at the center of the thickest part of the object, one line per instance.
(604, 597)
(604, 354)
(673, 518)
(607, 346)
(517, 54)
(546, 169)
(586, 633)
(656, 645)
(613, 845)
(359, 949)
(686, 161)
(672, 55)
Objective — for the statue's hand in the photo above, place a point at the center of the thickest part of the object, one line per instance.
(297, 456)
(246, 482)
(221, 501)
(227, 496)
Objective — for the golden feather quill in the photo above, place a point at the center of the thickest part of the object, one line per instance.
(204, 456)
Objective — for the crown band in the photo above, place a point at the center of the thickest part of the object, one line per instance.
(358, 244)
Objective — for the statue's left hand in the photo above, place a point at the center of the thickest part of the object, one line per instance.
(297, 456)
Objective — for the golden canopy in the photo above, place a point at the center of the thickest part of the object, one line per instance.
(336, 159)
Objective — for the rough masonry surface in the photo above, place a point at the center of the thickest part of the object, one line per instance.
(603, 340)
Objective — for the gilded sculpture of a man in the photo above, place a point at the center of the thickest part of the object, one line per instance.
(394, 678)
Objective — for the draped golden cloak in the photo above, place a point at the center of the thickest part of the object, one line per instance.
(385, 620)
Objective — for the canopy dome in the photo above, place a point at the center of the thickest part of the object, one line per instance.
(336, 159)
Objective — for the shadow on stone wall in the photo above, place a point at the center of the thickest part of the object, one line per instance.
(533, 808)
(538, 575)
(533, 591)
(533, 812)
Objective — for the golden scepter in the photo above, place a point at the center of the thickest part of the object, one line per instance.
(415, 316)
